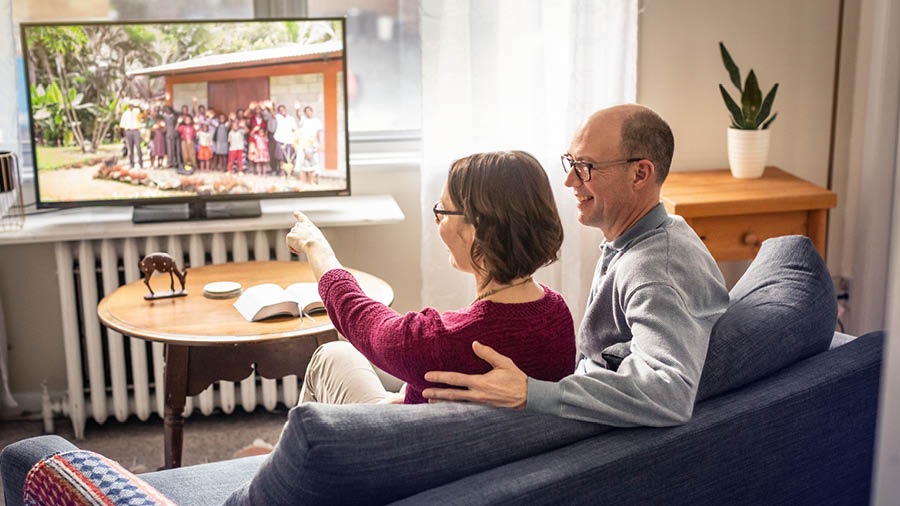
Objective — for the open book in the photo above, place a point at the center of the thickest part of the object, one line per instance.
(268, 299)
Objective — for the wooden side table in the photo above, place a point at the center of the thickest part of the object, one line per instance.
(207, 340)
(734, 216)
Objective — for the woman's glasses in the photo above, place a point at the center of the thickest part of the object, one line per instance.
(438, 211)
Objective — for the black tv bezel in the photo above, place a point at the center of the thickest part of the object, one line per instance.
(196, 200)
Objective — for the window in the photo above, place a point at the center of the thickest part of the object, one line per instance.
(195, 9)
(385, 64)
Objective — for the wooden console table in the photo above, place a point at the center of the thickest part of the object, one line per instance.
(207, 340)
(734, 216)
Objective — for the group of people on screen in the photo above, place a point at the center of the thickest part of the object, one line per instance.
(261, 139)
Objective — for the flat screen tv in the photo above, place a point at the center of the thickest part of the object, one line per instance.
(187, 119)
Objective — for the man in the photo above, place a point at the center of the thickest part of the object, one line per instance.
(284, 139)
(310, 142)
(655, 286)
(173, 144)
(130, 123)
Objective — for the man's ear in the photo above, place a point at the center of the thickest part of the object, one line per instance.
(644, 173)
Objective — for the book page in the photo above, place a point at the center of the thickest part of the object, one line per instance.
(307, 296)
(265, 300)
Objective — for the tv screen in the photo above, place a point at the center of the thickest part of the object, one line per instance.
(193, 113)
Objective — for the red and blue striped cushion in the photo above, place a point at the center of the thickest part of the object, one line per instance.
(85, 478)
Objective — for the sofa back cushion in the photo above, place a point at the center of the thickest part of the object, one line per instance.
(374, 454)
(783, 309)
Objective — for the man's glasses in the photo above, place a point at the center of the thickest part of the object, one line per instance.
(583, 169)
(438, 211)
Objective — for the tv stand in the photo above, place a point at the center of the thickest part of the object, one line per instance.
(188, 211)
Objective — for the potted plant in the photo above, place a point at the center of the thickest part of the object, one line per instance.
(748, 136)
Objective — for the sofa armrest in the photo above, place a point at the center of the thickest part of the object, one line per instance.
(18, 458)
(204, 484)
(82, 477)
(198, 485)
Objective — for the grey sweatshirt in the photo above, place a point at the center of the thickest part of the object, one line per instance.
(658, 287)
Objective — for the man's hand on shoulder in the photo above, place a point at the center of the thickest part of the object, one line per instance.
(505, 385)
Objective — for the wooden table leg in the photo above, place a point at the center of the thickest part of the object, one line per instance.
(818, 229)
(176, 373)
(273, 360)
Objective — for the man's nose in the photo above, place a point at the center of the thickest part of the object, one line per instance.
(572, 180)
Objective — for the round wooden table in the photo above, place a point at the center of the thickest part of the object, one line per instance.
(207, 340)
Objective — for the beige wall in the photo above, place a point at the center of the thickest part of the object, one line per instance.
(30, 298)
(790, 42)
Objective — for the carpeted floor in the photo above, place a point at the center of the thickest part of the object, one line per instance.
(138, 446)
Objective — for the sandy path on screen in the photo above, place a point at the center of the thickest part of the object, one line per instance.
(64, 185)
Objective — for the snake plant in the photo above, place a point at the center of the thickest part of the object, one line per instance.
(753, 111)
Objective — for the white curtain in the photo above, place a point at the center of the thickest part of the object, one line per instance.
(871, 233)
(8, 116)
(872, 230)
(8, 141)
(873, 166)
(518, 74)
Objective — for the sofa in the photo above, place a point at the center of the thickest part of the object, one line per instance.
(785, 414)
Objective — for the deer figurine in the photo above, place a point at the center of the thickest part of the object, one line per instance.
(162, 262)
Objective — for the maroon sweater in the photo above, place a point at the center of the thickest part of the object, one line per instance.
(538, 336)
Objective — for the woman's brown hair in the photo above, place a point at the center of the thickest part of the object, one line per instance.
(506, 195)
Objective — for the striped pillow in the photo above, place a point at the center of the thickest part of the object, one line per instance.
(81, 478)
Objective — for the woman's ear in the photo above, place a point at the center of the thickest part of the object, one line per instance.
(467, 232)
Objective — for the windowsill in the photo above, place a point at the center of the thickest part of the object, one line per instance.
(114, 222)
(367, 154)
(400, 151)
(393, 161)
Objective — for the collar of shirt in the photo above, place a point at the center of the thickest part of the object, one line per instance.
(610, 249)
(652, 220)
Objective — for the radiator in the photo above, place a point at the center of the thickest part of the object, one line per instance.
(109, 374)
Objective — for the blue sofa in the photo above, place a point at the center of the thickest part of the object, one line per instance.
(786, 414)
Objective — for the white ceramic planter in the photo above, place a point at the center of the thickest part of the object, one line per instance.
(747, 152)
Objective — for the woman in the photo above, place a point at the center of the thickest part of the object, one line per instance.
(498, 218)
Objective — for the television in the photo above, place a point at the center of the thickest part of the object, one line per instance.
(187, 119)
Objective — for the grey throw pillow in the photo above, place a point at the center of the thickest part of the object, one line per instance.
(783, 309)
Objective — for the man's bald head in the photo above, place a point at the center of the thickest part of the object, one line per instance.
(641, 134)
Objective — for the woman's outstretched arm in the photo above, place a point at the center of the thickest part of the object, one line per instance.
(306, 238)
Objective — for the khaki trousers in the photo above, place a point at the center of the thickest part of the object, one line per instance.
(339, 374)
